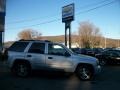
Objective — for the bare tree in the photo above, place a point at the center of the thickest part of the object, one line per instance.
(75, 39)
(29, 34)
(89, 35)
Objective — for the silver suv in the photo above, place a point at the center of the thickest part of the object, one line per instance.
(27, 55)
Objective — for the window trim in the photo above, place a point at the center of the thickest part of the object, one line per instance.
(36, 52)
(58, 45)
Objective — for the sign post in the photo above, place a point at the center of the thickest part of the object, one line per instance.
(67, 18)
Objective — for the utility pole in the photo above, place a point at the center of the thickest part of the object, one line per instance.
(2, 22)
(105, 41)
(118, 43)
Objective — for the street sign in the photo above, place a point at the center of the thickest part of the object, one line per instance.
(68, 13)
(67, 18)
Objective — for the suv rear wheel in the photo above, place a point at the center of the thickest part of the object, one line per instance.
(84, 72)
(21, 69)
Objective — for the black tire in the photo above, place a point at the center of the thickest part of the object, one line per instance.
(85, 72)
(21, 69)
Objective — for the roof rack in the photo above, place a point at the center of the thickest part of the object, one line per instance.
(34, 40)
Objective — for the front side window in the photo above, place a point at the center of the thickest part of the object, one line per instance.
(18, 46)
(115, 54)
(54, 49)
(37, 48)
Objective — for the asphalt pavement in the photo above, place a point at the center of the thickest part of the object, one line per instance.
(108, 79)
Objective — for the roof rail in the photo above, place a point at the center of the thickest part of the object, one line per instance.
(34, 40)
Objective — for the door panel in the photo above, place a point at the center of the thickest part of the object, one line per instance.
(36, 54)
(56, 57)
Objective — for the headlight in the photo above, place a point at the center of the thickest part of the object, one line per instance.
(97, 61)
(118, 58)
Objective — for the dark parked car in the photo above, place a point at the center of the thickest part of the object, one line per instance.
(109, 57)
(85, 51)
(97, 50)
(90, 52)
(76, 50)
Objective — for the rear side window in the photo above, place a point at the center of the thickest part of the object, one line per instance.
(18, 46)
(37, 48)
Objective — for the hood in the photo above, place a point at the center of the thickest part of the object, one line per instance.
(85, 58)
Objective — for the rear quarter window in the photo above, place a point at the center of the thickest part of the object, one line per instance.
(18, 46)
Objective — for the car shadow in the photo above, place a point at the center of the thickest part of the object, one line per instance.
(51, 74)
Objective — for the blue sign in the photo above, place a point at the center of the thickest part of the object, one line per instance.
(68, 13)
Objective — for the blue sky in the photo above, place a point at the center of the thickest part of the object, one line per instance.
(33, 14)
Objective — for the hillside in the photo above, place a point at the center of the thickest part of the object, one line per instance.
(54, 38)
(60, 38)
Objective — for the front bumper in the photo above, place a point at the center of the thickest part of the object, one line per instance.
(98, 69)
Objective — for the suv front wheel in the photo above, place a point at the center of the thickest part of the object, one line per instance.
(84, 72)
(21, 69)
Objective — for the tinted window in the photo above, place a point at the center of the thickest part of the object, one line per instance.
(37, 48)
(107, 53)
(18, 46)
(115, 54)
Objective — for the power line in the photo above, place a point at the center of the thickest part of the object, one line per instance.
(46, 22)
(94, 4)
(33, 19)
(28, 20)
(96, 7)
